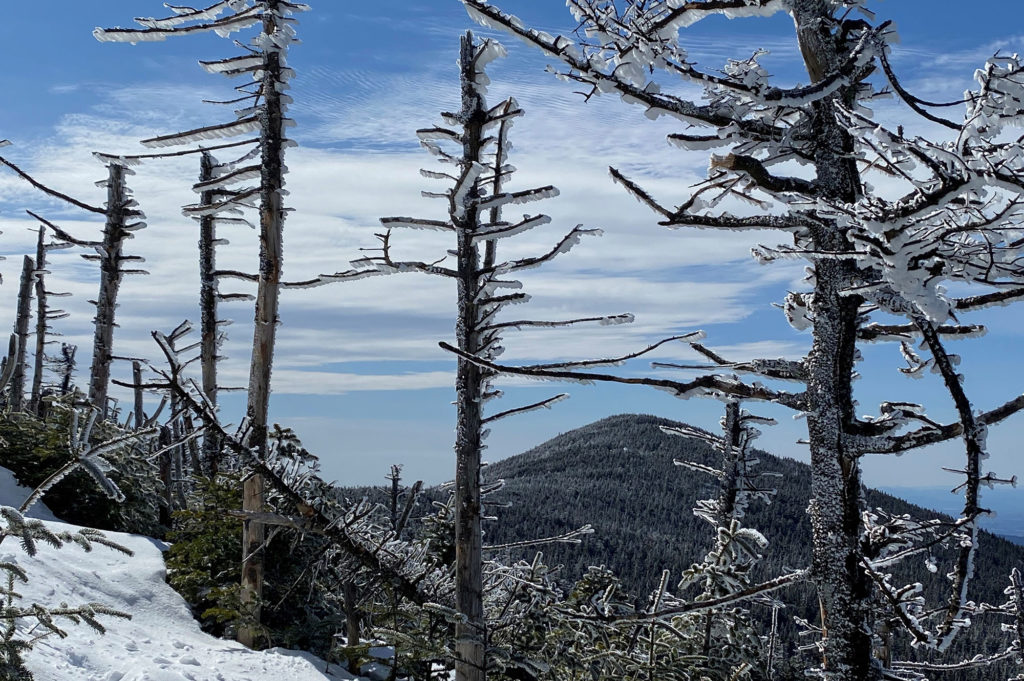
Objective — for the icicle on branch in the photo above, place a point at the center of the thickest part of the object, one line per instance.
(710, 384)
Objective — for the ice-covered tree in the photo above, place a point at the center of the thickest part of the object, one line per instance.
(729, 641)
(45, 314)
(121, 219)
(473, 145)
(806, 154)
(263, 105)
(262, 109)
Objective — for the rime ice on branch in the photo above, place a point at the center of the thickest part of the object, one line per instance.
(122, 219)
(45, 314)
(263, 103)
(957, 222)
(473, 145)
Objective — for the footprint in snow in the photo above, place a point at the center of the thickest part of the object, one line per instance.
(161, 675)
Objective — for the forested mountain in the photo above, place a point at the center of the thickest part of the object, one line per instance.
(618, 475)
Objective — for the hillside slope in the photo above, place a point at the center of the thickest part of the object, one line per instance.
(618, 475)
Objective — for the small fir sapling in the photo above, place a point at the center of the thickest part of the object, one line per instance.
(726, 568)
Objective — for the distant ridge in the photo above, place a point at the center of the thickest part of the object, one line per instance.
(617, 474)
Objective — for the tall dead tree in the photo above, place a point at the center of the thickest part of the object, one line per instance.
(264, 112)
(44, 314)
(955, 223)
(21, 329)
(121, 218)
(475, 146)
(263, 106)
(210, 334)
(111, 258)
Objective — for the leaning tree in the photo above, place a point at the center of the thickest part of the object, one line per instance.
(870, 258)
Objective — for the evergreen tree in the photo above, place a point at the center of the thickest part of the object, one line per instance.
(956, 222)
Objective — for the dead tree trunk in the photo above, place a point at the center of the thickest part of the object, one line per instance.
(267, 296)
(42, 314)
(110, 281)
(67, 366)
(470, 201)
(139, 411)
(844, 589)
(208, 309)
(470, 631)
(166, 478)
(353, 619)
(21, 328)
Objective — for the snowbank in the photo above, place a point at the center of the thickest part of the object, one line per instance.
(160, 643)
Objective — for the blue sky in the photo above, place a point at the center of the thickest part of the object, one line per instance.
(358, 373)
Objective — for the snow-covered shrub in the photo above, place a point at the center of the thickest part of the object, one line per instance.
(35, 448)
(299, 604)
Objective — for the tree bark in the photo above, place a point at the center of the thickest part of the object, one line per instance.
(138, 410)
(353, 618)
(471, 631)
(21, 328)
(267, 295)
(110, 282)
(844, 589)
(253, 535)
(208, 311)
(36, 395)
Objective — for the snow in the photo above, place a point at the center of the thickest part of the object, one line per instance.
(13, 494)
(160, 643)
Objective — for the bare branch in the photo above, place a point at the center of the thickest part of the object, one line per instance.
(61, 234)
(705, 384)
(612, 361)
(51, 192)
(543, 404)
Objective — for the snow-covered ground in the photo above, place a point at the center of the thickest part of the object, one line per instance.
(160, 643)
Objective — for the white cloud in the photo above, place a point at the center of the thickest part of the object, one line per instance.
(339, 195)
